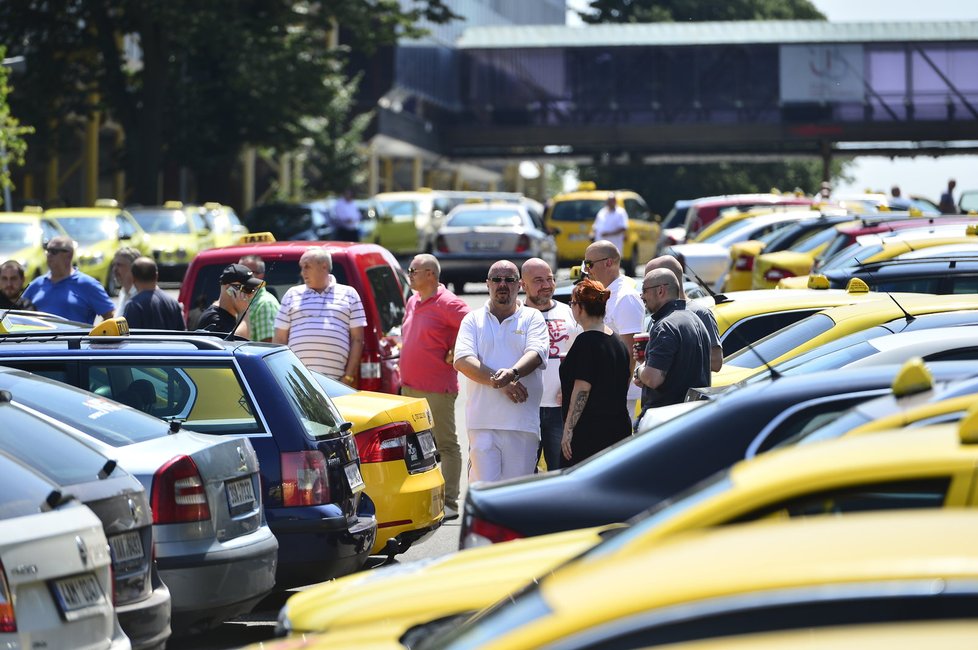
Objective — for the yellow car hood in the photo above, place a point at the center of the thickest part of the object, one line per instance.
(367, 409)
(437, 587)
(171, 241)
(750, 247)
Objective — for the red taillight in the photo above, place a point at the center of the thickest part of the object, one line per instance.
(774, 275)
(178, 493)
(370, 371)
(483, 533)
(8, 620)
(744, 263)
(523, 244)
(305, 481)
(385, 443)
(441, 244)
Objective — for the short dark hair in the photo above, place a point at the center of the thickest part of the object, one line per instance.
(144, 269)
(14, 264)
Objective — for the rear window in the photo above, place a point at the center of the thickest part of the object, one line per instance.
(471, 218)
(757, 327)
(773, 346)
(583, 210)
(283, 220)
(307, 398)
(23, 490)
(387, 296)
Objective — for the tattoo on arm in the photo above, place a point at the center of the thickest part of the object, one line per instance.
(577, 408)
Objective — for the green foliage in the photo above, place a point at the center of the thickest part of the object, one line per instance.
(658, 11)
(13, 147)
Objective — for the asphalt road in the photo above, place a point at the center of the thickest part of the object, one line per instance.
(260, 624)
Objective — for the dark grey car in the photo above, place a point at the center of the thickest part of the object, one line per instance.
(141, 599)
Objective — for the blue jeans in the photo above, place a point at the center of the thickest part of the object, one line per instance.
(551, 429)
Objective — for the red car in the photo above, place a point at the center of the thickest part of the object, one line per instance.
(703, 212)
(370, 269)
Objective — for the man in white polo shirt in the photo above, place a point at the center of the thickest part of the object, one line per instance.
(498, 349)
(322, 321)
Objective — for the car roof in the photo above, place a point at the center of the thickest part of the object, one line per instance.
(102, 212)
(735, 199)
(285, 249)
(915, 303)
(138, 342)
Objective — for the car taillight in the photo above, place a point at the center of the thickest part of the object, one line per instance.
(774, 275)
(523, 244)
(441, 244)
(178, 493)
(385, 443)
(744, 263)
(370, 371)
(482, 533)
(305, 481)
(8, 620)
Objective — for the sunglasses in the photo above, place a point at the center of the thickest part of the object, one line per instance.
(240, 288)
(55, 251)
(413, 271)
(506, 280)
(589, 264)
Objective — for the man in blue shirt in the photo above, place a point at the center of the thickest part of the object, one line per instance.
(151, 307)
(66, 291)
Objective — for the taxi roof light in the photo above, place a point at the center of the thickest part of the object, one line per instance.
(106, 203)
(968, 426)
(817, 281)
(575, 272)
(972, 229)
(912, 378)
(34, 209)
(212, 205)
(915, 212)
(857, 285)
(117, 326)
(256, 238)
(175, 205)
(587, 186)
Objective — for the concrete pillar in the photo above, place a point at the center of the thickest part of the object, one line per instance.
(389, 174)
(91, 158)
(373, 173)
(417, 169)
(248, 178)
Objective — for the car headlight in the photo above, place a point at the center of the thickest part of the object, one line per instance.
(181, 253)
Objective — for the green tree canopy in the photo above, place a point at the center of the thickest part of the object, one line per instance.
(12, 144)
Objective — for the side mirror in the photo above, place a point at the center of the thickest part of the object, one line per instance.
(554, 231)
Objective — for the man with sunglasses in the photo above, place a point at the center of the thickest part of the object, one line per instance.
(66, 291)
(499, 349)
(238, 286)
(431, 320)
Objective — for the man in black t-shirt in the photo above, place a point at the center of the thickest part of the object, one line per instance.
(151, 308)
(238, 285)
(12, 286)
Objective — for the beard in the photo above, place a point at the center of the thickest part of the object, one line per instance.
(540, 300)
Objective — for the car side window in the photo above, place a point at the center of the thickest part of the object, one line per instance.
(56, 371)
(387, 297)
(963, 354)
(756, 328)
(962, 284)
(200, 223)
(126, 229)
(48, 230)
(636, 210)
(803, 421)
(915, 285)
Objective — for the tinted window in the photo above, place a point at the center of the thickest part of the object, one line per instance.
(53, 453)
(832, 360)
(23, 490)
(676, 217)
(918, 285)
(781, 342)
(754, 329)
(310, 403)
(471, 218)
(387, 297)
(806, 420)
(576, 210)
(964, 354)
(636, 209)
(963, 284)
(283, 220)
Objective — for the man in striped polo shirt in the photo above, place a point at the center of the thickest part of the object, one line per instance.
(322, 321)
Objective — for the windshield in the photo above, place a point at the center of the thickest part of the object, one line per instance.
(851, 257)
(582, 210)
(310, 403)
(813, 241)
(471, 218)
(781, 342)
(163, 221)
(90, 230)
(398, 208)
(830, 361)
(676, 217)
(14, 236)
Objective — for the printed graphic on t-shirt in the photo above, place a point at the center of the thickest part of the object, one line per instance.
(558, 333)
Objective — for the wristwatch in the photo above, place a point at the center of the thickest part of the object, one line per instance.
(516, 375)
(348, 379)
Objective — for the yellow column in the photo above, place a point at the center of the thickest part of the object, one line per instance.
(389, 174)
(417, 170)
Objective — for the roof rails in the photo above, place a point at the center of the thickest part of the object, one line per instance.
(200, 340)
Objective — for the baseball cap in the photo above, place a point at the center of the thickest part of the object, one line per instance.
(240, 274)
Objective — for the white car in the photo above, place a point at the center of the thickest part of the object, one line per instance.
(55, 577)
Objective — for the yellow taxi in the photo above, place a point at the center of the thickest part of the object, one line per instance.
(397, 461)
(176, 233)
(23, 236)
(570, 215)
(99, 232)
(832, 324)
(224, 224)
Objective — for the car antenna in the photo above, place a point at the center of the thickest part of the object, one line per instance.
(719, 298)
(907, 315)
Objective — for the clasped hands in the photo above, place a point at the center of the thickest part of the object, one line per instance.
(504, 379)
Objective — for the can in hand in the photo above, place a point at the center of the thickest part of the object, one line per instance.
(639, 341)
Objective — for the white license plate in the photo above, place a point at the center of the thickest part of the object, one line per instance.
(353, 477)
(482, 245)
(240, 493)
(579, 236)
(126, 547)
(78, 593)
(427, 443)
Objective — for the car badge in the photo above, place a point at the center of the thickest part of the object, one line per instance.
(82, 550)
(244, 461)
(133, 511)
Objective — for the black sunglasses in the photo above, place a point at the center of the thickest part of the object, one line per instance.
(506, 280)
(55, 251)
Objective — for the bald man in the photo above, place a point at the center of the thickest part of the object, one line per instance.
(705, 314)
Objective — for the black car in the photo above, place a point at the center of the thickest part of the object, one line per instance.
(957, 273)
(291, 221)
(141, 600)
(641, 471)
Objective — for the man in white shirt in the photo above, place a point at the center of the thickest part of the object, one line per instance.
(625, 312)
(498, 349)
(346, 218)
(539, 284)
(610, 223)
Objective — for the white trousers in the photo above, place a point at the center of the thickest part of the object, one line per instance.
(496, 454)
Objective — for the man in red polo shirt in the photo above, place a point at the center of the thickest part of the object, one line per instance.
(428, 334)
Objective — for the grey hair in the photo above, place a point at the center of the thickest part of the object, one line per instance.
(320, 254)
(257, 261)
(429, 262)
(129, 253)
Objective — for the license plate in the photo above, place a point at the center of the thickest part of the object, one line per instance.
(427, 443)
(482, 245)
(579, 236)
(241, 494)
(78, 593)
(353, 477)
(126, 547)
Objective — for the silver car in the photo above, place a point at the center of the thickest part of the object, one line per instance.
(213, 546)
(475, 235)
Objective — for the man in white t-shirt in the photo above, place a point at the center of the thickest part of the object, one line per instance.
(539, 284)
(624, 312)
(499, 349)
(346, 218)
(610, 223)
(322, 321)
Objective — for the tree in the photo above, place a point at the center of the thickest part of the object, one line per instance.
(12, 144)
(211, 77)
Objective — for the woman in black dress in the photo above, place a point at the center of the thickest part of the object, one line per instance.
(593, 379)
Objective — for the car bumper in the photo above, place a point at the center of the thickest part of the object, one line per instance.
(313, 548)
(210, 588)
(172, 271)
(406, 504)
(147, 622)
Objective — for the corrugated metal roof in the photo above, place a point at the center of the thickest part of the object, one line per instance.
(714, 33)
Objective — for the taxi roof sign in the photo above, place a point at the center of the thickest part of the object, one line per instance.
(857, 285)
(587, 186)
(117, 326)
(968, 427)
(106, 203)
(818, 281)
(176, 205)
(256, 238)
(912, 378)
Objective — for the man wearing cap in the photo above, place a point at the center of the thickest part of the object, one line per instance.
(66, 291)
(238, 285)
(151, 307)
(322, 321)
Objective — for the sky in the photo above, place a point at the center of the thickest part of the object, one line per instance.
(923, 175)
